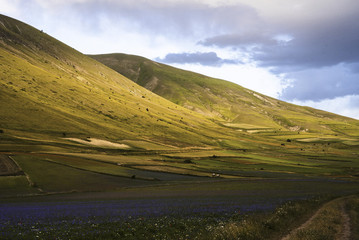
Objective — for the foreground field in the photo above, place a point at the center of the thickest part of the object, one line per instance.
(185, 217)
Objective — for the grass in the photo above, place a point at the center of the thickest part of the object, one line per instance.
(81, 223)
(95, 166)
(66, 92)
(15, 186)
(53, 177)
(270, 226)
(352, 208)
(181, 170)
(230, 162)
(148, 145)
(250, 163)
(329, 223)
(230, 104)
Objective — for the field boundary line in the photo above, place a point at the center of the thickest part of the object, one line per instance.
(31, 183)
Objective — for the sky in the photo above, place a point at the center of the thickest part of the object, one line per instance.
(301, 51)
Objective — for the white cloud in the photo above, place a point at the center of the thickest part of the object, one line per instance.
(322, 83)
(50, 4)
(247, 75)
(9, 7)
(345, 106)
(283, 38)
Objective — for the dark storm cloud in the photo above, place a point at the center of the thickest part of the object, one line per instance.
(325, 45)
(354, 67)
(206, 59)
(322, 83)
(321, 44)
(320, 57)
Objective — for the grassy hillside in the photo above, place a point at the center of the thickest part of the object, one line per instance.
(50, 88)
(225, 100)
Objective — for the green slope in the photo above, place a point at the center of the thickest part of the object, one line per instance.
(225, 100)
(48, 87)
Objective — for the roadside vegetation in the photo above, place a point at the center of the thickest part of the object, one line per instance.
(273, 224)
(352, 208)
(335, 220)
(269, 226)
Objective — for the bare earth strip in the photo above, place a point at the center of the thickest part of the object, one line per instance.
(304, 225)
(345, 233)
(99, 143)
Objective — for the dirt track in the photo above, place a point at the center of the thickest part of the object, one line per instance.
(343, 235)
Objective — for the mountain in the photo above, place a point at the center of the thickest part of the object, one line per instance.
(221, 99)
(49, 88)
(224, 100)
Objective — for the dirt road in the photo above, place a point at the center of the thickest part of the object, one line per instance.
(345, 231)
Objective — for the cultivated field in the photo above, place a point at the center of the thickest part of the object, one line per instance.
(75, 191)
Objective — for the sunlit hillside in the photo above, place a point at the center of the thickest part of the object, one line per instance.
(225, 100)
(49, 88)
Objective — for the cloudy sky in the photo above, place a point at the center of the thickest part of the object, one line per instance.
(301, 51)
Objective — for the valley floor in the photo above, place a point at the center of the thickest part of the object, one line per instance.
(187, 210)
(63, 189)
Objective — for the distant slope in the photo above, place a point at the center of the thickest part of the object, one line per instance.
(49, 88)
(224, 100)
